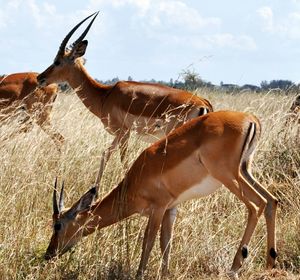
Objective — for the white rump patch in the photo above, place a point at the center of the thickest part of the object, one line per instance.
(249, 150)
(205, 111)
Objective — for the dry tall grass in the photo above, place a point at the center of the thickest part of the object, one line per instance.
(207, 231)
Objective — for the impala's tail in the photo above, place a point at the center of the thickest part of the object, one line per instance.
(203, 111)
(250, 143)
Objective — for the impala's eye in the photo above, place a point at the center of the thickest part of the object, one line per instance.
(56, 62)
(57, 226)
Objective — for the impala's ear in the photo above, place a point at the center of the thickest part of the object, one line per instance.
(84, 203)
(79, 49)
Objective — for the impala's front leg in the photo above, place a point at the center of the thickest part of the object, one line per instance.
(107, 153)
(104, 158)
(123, 145)
(165, 237)
(154, 222)
(43, 120)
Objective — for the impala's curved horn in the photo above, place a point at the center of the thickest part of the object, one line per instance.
(64, 42)
(61, 198)
(81, 37)
(55, 207)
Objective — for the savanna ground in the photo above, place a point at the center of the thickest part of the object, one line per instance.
(207, 231)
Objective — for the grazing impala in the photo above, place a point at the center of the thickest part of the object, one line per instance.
(152, 110)
(21, 91)
(192, 161)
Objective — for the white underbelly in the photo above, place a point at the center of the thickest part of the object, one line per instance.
(207, 186)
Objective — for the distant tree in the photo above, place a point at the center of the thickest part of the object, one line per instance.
(282, 84)
(264, 85)
(179, 84)
(192, 79)
(250, 87)
(230, 87)
(109, 82)
(115, 80)
(277, 84)
(129, 78)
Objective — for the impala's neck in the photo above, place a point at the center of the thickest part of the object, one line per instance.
(115, 207)
(91, 93)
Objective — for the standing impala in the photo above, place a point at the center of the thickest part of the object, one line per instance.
(21, 91)
(152, 110)
(192, 161)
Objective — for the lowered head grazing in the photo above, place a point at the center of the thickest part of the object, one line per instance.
(67, 225)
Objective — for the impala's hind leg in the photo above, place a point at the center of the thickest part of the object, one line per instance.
(255, 204)
(269, 213)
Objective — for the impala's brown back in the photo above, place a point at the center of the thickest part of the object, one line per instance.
(22, 90)
(16, 87)
(22, 86)
(153, 100)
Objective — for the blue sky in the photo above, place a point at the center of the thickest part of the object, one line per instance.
(232, 41)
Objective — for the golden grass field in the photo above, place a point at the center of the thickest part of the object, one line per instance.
(207, 231)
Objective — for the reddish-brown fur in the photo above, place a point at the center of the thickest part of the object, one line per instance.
(119, 106)
(152, 110)
(206, 152)
(21, 90)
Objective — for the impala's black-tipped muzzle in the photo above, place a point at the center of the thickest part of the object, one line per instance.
(48, 256)
(50, 253)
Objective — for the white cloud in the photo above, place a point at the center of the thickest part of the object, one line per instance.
(290, 26)
(162, 12)
(36, 13)
(176, 22)
(142, 5)
(50, 9)
(177, 13)
(2, 20)
(6, 11)
(14, 4)
(209, 41)
(266, 14)
(242, 42)
(41, 12)
(286, 26)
